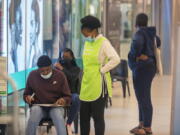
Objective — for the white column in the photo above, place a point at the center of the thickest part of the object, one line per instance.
(175, 121)
(166, 23)
(156, 15)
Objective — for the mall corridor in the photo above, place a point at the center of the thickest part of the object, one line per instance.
(58, 57)
(122, 115)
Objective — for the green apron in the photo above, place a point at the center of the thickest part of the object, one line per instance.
(91, 86)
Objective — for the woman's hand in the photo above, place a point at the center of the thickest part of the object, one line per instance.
(142, 57)
(58, 66)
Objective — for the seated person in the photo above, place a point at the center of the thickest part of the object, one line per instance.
(46, 86)
(68, 65)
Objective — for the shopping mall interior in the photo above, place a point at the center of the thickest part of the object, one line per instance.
(31, 28)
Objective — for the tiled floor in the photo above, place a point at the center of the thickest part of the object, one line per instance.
(122, 116)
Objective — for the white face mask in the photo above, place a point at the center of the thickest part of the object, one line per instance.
(47, 76)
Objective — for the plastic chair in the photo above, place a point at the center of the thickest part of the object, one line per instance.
(120, 73)
(47, 121)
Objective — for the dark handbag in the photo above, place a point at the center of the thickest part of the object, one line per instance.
(105, 92)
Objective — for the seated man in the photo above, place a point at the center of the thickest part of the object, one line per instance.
(46, 86)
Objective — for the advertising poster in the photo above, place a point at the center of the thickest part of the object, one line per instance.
(16, 40)
(34, 34)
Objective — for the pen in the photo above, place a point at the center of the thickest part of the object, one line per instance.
(32, 95)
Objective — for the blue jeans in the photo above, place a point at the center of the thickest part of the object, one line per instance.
(142, 80)
(37, 113)
(74, 108)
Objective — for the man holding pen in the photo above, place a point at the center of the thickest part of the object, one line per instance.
(46, 89)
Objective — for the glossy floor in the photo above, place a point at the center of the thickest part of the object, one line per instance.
(123, 115)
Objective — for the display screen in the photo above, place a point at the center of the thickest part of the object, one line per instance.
(25, 28)
(34, 44)
(16, 40)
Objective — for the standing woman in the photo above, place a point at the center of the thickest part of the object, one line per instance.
(143, 65)
(99, 57)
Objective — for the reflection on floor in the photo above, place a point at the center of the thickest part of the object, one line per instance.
(122, 116)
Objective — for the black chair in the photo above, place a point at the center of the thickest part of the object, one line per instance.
(48, 123)
(120, 73)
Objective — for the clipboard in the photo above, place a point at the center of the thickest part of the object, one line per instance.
(48, 105)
